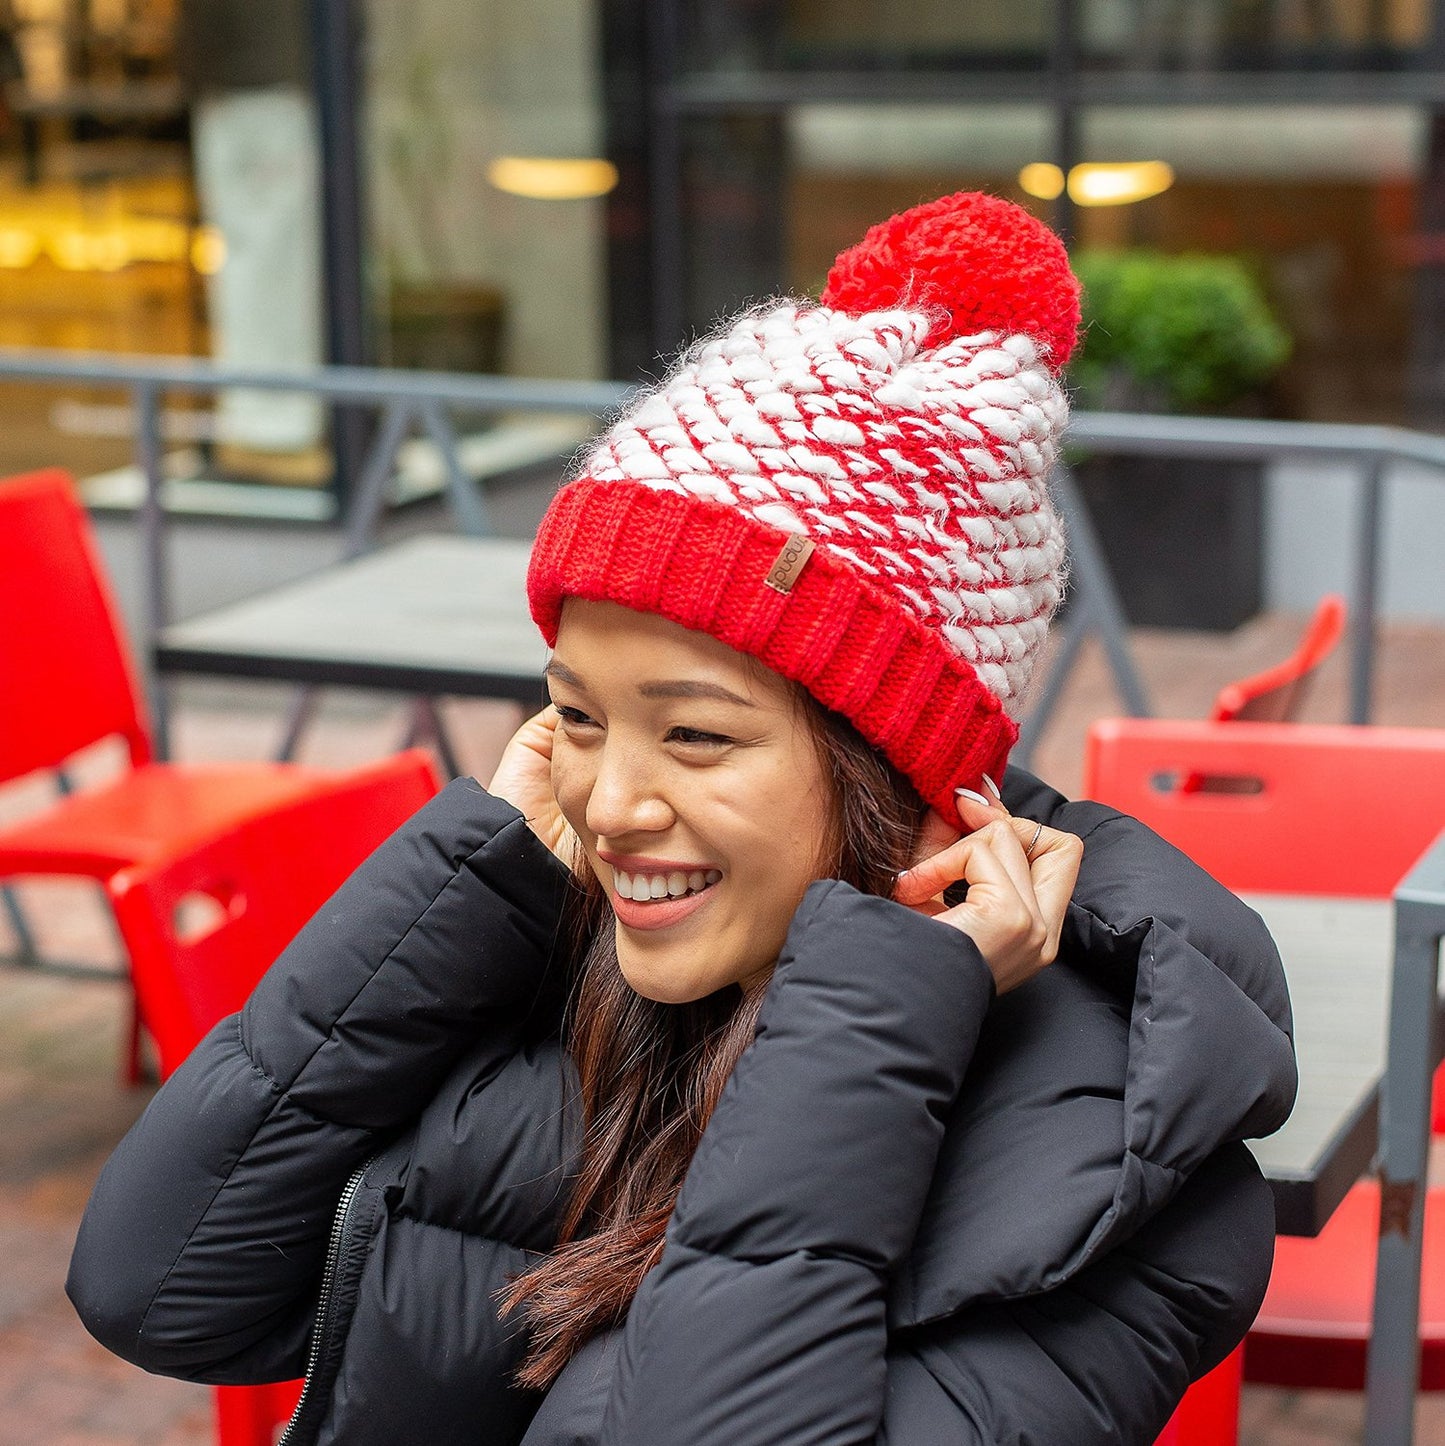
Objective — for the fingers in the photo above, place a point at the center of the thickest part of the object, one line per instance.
(938, 859)
(1001, 918)
(523, 778)
(933, 868)
(1021, 876)
(1054, 868)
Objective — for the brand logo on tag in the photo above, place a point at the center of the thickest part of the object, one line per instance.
(791, 561)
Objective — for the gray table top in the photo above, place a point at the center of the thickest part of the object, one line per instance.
(1337, 955)
(447, 614)
(433, 614)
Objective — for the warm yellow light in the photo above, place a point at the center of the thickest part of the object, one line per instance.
(156, 238)
(208, 250)
(69, 250)
(1096, 183)
(1042, 179)
(18, 248)
(109, 250)
(1119, 183)
(77, 244)
(546, 178)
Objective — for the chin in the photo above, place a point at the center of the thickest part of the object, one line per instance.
(661, 987)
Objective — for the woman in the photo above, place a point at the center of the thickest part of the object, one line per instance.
(668, 1096)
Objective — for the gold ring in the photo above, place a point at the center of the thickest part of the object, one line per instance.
(1033, 842)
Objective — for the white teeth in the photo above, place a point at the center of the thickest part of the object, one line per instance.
(643, 888)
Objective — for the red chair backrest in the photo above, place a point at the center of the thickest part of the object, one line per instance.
(1302, 808)
(66, 669)
(1276, 694)
(202, 926)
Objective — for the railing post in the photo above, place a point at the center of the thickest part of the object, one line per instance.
(467, 503)
(1095, 609)
(1364, 605)
(153, 523)
(1393, 1361)
(369, 498)
(1091, 574)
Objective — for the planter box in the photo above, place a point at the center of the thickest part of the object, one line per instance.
(1183, 536)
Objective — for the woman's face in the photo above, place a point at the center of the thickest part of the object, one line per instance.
(697, 791)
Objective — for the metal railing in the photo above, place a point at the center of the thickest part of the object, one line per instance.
(403, 401)
(1368, 450)
(407, 400)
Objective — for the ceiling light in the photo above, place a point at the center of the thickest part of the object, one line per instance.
(1043, 180)
(1119, 183)
(543, 178)
(1095, 183)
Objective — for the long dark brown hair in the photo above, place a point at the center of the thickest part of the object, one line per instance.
(651, 1074)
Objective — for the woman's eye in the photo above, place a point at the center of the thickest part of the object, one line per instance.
(696, 735)
(573, 716)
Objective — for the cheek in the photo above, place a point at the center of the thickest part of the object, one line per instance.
(810, 827)
(571, 783)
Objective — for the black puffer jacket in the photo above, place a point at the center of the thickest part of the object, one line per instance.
(919, 1215)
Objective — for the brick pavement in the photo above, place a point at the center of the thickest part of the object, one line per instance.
(62, 1106)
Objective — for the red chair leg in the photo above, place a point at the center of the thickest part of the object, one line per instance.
(1209, 1413)
(254, 1415)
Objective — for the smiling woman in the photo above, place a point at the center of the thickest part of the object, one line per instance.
(704, 810)
(744, 1066)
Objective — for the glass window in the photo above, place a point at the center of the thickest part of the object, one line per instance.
(862, 34)
(488, 183)
(1319, 201)
(771, 200)
(1232, 34)
(101, 244)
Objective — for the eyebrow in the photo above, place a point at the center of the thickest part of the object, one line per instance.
(662, 688)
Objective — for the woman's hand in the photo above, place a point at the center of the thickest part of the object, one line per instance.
(524, 779)
(1020, 878)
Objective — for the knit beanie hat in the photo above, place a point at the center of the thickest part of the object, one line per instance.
(854, 492)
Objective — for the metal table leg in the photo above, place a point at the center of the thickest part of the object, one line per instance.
(1393, 1369)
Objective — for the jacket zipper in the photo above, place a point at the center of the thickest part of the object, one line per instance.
(290, 1437)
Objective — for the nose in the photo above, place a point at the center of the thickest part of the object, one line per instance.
(627, 795)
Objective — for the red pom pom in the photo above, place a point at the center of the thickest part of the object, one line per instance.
(986, 262)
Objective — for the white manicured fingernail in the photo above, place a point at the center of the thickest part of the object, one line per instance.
(992, 787)
(973, 797)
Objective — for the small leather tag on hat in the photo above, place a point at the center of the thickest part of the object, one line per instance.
(791, 561)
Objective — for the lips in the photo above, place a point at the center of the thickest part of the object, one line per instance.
(667, 896)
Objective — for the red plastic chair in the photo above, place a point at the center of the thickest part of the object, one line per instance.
(1209, 1413)
(1277, 694)
(203, 923)
(1327, 809)
(69, 683)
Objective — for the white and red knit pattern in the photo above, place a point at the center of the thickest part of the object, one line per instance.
(922, 467)
(905, 426)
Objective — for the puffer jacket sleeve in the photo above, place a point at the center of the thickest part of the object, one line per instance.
(765, 1320)
(1206, 976)
(200, 1251)
(1102, 1359)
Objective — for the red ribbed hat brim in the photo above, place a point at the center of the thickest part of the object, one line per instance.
(851, 644)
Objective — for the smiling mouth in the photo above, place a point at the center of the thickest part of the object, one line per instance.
(659, 888)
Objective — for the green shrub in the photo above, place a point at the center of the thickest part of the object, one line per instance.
(1172, 333)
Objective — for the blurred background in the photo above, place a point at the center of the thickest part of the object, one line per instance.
(571, 189)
